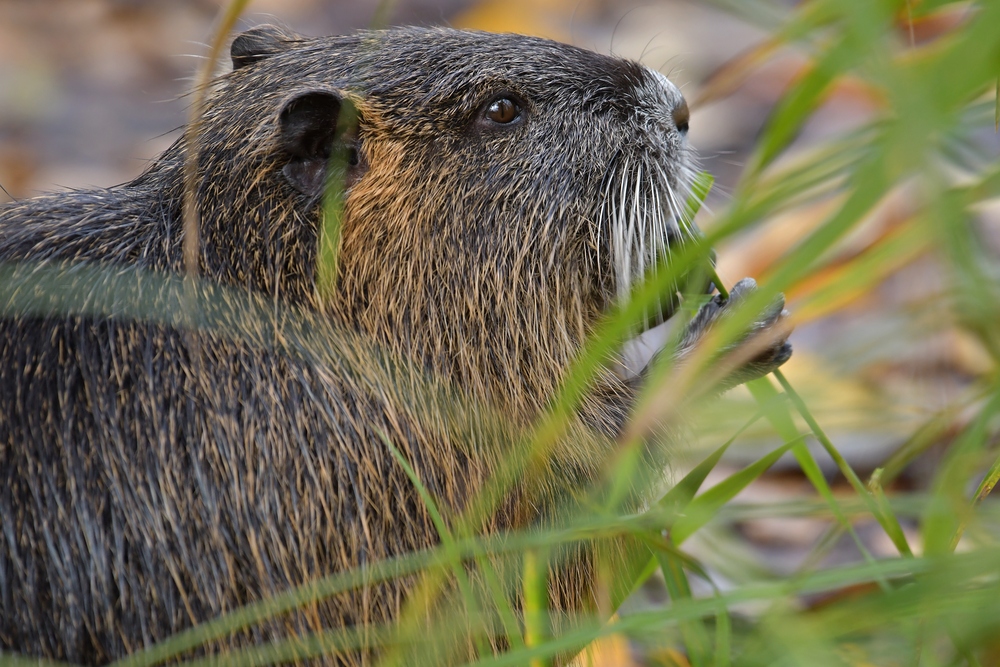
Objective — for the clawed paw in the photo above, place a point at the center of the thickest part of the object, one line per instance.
(764, 345)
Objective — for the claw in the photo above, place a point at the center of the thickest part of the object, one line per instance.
(768, 359)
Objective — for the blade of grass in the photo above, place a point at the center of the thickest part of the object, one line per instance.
(781, 419)
(447, 541)
(333, 204)
(892, 526)
(673, 504)
(508, 619)
(700, 187)
(949, 510)
(797, 105)
(693, 631)
(536, 603)
(723, 637)
(938, 580)
(887, 520)
(705, 507)
(385, 570)
(192, 134)
(682, 494)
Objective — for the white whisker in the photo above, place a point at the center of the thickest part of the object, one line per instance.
(642, 214)
(634, 230)
(621, 259)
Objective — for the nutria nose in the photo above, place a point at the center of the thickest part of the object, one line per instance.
(681, 116)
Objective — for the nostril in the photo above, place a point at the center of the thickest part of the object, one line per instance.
(681, 116)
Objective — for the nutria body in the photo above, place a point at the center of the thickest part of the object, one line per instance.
(155, 472)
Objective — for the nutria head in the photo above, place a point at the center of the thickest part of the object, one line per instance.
(502, 191)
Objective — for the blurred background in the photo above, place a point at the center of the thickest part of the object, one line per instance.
(91, 90)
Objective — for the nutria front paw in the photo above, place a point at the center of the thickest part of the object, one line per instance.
(764, 344)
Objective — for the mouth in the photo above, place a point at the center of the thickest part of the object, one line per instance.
(646, 218)
(691, 291)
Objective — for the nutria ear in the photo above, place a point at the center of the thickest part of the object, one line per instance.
(315, 126)
(259, 43)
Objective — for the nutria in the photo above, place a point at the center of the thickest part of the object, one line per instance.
(502, 192)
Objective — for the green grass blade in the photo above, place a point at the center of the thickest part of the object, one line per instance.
(887, 520)
(706, 506)
(781, 419)
(949, 509)
(333, 204)
(444, 534)
(693, 631)
(536, 603)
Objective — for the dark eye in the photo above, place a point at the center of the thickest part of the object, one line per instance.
(503, 111)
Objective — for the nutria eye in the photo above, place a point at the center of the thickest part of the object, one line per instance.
(503, 111)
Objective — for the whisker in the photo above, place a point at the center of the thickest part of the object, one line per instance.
(643, 216)
(634, 229)
(621, 261)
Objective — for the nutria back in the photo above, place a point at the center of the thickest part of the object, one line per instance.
(178, 448)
